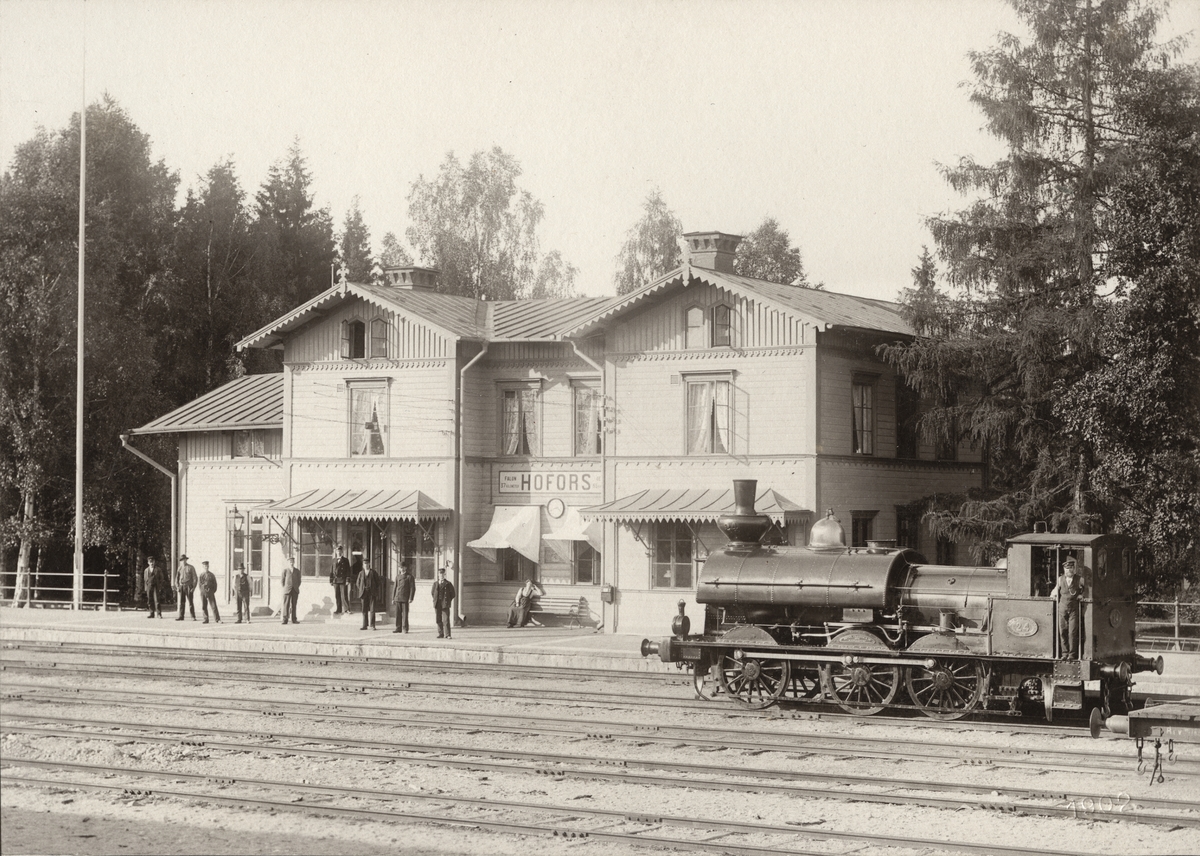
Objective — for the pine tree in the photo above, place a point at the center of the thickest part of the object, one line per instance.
(355, 245)
(1028, 261)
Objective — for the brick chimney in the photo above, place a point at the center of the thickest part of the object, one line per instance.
(411, 278)
(712, 250)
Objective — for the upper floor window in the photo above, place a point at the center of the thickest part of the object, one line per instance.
(709, 416)
(354, 340)
(695, 327)
(519, 418)
(368, 419)
(862, 416)
(722, 326)
(249, 444)
(674, 554)
(379, 338)
(588, 420)
(907, 413)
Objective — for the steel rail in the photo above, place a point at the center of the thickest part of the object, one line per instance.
(787, 707)
(386, 751)
(785, 710)
(568, 812)
(697, 735)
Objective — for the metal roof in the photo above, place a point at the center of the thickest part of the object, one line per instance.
(338, 504)
(250, 401)
(545, 319)
(823, 307)
(687, 504)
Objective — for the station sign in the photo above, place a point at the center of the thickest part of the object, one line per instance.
(526, 482)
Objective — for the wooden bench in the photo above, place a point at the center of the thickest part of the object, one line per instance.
(574, 609)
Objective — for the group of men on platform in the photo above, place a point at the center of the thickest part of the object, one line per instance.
(185, 580)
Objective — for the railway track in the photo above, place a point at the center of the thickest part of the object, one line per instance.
(389, 669)
(881, 789)
(387, 711)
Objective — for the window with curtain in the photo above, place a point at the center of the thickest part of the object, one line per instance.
(368, 420)
(248, 444)
(862, 416)
(379, 338)
(722, 326)
(256, 543)
(588, 424)
(519, 421)
(673, 563)
(709, 417)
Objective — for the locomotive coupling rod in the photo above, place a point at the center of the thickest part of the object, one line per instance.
(845, 659)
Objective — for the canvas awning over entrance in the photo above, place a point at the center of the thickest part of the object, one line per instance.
(517, 527)
(692, 504)
(337, 504)
(572, 527)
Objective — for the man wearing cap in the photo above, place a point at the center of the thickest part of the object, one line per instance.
(291, 591)
(367, 582)
(153, 580)
(1070, 590)
(443, 597)
(241, 588)
(406, 590)
(184, 584)
(208, 593)
(339, 578)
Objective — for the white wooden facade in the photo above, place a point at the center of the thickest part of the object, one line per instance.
(788, 389)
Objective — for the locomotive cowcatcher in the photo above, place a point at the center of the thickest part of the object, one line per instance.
(855, 625)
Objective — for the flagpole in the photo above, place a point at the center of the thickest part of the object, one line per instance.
(77, 587)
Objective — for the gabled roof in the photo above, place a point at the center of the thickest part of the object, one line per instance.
(250, 401)
(457, 317)
(825, 308)
(525, 320)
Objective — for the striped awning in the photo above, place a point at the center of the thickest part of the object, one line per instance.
(337, 504)
(688, 504)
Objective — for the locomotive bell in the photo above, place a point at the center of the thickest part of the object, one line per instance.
(827, 533)
(744, 526)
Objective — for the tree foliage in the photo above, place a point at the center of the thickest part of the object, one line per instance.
(651, 246)
(767, 253)
(354, 245)
(477, 227)
(392, 252)
(1032, 265)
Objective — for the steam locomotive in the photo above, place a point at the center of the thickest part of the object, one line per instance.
(856, 625)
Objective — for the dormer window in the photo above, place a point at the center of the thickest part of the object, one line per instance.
(354, 340)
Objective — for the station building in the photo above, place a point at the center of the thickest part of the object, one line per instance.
(586, 443)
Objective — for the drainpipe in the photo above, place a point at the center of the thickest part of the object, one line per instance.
(459, 538)
(603, 459)
(174, 493)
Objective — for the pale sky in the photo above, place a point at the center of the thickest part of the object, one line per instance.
(829, 116)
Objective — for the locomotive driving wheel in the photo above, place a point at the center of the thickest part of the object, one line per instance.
(861, 688)
(806, 680)
(951, 689)
(751, 682)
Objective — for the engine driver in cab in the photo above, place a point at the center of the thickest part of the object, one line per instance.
(1070, 590)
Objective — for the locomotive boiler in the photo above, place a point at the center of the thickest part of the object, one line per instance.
(865, 627)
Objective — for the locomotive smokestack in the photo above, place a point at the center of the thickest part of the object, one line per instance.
(744, 527)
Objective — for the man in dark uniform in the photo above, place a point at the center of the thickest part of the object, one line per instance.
(367, 581)
(208, 593)
(406, 590)
(339, 578)
(443, 598)
(153, 581)
(185, 585)
(1070, 590)
(241, 588)
(291, 591)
